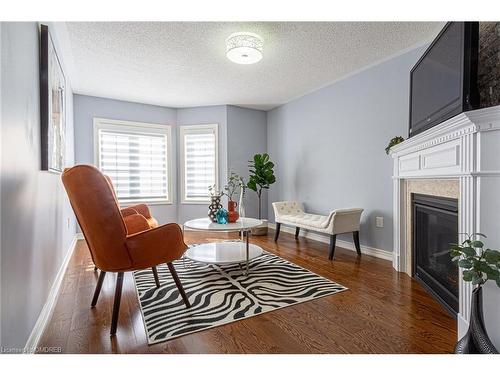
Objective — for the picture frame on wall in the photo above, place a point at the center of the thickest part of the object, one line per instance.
(52, 105)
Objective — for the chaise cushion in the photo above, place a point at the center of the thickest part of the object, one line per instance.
(308, 220)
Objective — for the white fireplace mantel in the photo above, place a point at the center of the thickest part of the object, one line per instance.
(466, 148)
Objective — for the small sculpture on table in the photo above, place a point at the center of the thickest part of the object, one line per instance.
(222, 216)
(215, 204)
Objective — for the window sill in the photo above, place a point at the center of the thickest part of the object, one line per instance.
(195, 202)
(149, 203)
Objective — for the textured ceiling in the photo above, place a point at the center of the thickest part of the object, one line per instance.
(182, 64)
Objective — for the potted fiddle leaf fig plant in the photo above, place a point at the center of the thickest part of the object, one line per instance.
(478, 266)
(261, 177)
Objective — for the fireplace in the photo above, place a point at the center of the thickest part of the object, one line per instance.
(462, 150)
(434, 227)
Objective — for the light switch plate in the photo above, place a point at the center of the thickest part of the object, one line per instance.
(379, 222)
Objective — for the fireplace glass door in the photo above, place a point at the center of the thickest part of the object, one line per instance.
(435, 226)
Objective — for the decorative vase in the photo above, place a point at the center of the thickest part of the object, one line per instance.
(214, 207)
(476, 340)
(241, 204)
(221, 216)
(232, 214)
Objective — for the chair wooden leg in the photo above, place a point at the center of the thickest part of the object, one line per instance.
(277, 232)
(333, 240)
(178, 284)
(116, 305)
(98, 288)
(297, 231)
(355, 236)
(155, 274)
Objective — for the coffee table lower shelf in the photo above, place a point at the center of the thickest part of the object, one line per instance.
(226, 252)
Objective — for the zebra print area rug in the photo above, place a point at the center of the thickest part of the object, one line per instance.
(222, 294)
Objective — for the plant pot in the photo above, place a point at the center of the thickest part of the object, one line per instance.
(476, 340)
(261, 230)
(232, 215)
(214, 207)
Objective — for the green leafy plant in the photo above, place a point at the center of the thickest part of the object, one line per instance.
(261, 175)
(479, 265)
(234, 183)
(393, 142)
(213, 191)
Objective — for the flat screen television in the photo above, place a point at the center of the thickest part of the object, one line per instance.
(443, 83)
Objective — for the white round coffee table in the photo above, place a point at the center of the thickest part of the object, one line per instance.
(225, 252)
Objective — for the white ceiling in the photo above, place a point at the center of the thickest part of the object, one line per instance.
(183, 64)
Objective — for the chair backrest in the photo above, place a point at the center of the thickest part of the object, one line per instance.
(287, 208)
(97, 211)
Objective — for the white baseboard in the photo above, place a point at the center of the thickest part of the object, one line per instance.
(50, 303)
(379, 253)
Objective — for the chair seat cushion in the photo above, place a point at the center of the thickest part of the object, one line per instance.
(307, 220)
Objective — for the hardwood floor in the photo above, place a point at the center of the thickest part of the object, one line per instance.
(382, 312)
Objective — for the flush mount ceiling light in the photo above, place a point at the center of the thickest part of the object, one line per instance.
(244, 48)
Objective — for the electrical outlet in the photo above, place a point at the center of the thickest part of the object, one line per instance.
(379, 222)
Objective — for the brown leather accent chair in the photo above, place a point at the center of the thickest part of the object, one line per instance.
(120, 240)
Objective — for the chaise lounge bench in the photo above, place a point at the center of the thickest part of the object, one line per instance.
(337, 222)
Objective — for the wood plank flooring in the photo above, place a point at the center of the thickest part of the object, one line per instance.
(382, 312)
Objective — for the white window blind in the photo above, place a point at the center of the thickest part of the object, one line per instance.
(136, 160)
(199, 161)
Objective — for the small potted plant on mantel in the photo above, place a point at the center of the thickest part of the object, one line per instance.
(479, 265)
(261, 177)
(393, 142)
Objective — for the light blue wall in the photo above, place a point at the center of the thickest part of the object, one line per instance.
(88, 107)
(329, 145)
(196, 116)
(246, 136)
(37, 223)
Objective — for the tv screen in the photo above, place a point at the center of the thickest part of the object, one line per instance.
(438, 88)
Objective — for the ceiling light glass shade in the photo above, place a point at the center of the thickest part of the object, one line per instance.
(244, 48)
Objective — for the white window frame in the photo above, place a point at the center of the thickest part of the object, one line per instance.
(201, 128)
(140, 128)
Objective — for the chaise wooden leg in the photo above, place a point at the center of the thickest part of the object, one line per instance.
(333, 240)
(178, 284)
(116, 305)
(277, 232)
(155, 274)
(355, 236)
(98, 288)
(297, 231)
